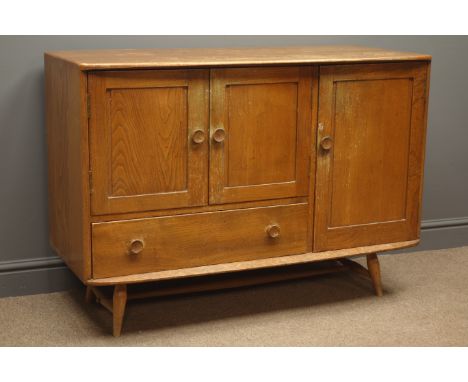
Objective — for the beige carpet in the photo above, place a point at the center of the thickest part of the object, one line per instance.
(425, 304)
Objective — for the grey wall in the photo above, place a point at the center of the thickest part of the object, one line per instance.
(28, 265)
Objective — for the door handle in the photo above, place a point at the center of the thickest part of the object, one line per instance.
(219, 135)
(326, 143)
(198, 137)
(273, 231)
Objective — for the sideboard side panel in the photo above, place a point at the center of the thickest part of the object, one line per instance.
(67, 135)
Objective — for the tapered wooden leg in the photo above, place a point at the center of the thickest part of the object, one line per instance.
(118, 308)
(374, 271)
(89, 296)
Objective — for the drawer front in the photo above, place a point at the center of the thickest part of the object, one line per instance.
(155, 244)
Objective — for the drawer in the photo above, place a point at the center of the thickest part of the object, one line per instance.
(155, 244)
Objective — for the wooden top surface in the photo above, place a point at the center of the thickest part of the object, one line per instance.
(212, 57)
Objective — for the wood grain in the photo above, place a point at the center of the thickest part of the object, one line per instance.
(142, 154)
(198, 239)
(262, 134)
(250, 264)
(215, 57)
(368, 184)
(372, 128)
(67, 147)
(149, 131)
(266, 114)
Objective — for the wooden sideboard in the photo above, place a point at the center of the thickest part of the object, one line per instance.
(174, 164)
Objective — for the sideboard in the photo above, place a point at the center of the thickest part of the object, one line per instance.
(185, 163)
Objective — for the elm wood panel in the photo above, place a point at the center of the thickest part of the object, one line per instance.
(213, 57)
(142, 140)
(149, 140)
(262, 134)
(68, 189)
(361, 157)
(193, 210)
(266, 152)
(247, 265)
(370, 156)
(200, 239)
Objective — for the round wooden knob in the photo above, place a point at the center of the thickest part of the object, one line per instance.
(136, 247)
(198, 136)
(326, 143)
(273, 230)
(219, 135)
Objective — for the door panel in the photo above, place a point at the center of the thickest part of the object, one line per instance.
(365, 120)
(265, 117)
(256, 156)
(139, 150)
(369, 171)
(143, 154)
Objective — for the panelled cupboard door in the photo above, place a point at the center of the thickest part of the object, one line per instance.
(370, 152)
(260, 133)
(149, 146)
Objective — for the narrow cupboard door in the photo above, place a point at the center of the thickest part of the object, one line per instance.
(149, 139)
(370, 151)
(260, 133)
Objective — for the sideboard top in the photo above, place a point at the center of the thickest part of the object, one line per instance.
(210, 57)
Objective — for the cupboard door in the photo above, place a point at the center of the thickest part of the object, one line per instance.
(370, 151)
(260, 133)
(149, 146)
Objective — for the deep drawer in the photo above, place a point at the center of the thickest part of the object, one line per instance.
(155, 244)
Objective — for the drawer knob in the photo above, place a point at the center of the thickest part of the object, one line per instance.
(273, 230)
(136, 247)
(198, 136)
(219, 135)
(326, 143)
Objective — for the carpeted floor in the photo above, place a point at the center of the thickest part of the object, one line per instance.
(425, 304)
